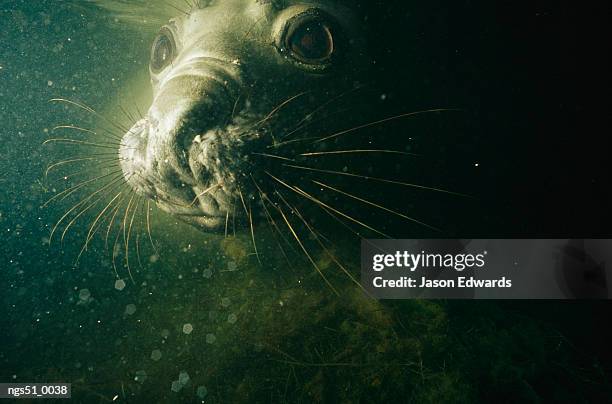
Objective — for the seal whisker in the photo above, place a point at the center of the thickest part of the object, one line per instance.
(115, 249)
(127, 241)
(88, 131)
(140, 233)
(317, 201)
(140, 115)
(206, 191)
(84, 200)
(177, 9)
(102, 166)
(123, 229)
(242, 199)
(275, 229)
(95, 226)
(311, 123)
(74, 160)
(90, 110)
(149, 225)
(100, 154)
(248, 32)
(247, 92)
(189, 4)
(376, 179)
(273, 156)
(298, 191)
(317, 236)
(279, 107)
(91, 232)
(299, 241)
(74, 188)
(234, 216)
(91, 205)
(355, 151)
(131, 119)
(253, 233)
(385, 120)
(263, 197)
(367, 202)
(280, 144)
(138, 251)
(111, 222)
(108, 145)
(226, 222)
(321, 107)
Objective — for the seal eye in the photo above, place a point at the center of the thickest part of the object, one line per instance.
(163, 51)
(311, 41)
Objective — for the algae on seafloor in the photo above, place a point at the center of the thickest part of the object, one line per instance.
(259, 333)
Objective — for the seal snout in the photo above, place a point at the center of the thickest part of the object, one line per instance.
(184, 154)
(133, 158)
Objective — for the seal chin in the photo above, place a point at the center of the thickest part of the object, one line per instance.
(205, 222)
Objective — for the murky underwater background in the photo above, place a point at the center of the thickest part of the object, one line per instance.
(224, 328)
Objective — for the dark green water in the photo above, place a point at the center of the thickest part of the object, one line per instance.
(202, 320)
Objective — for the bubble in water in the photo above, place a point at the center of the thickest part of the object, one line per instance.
(225, 302)
(141, 376)
(202, 391)
(183, 378)
(156, 355)
(176, 386)
(231, 266)
(187, 328)
(165, 333)
(232, 318)
(119, 284)
(207, 273)
(84, 294)
(130, 309)
(210, 338)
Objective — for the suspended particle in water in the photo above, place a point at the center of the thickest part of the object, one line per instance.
(232, 266)
(176, 386)
(141, 376)
(130, 309)
(210, 338)
(232, 318)
(84, 295)
(156, 355)
(202, 392)
(187, 328)
(207, 273)
(225, 302)
(119, 284)
(183, 378)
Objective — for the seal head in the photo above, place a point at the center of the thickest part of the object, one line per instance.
(228, 80)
